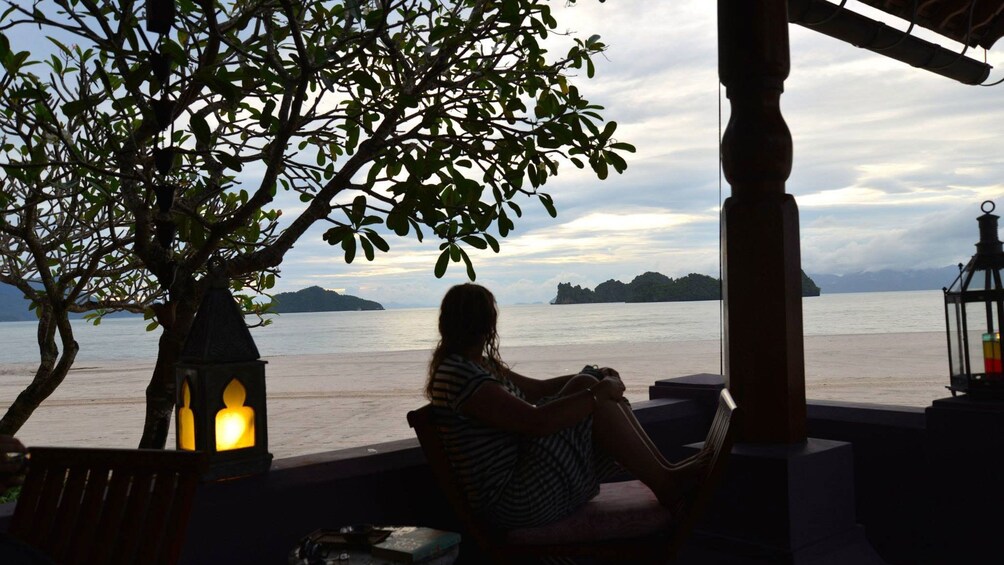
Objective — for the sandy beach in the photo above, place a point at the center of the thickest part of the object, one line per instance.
(325, 402)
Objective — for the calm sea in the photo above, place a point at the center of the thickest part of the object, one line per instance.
(537, 324)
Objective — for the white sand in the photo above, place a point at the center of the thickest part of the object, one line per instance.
(324, 402)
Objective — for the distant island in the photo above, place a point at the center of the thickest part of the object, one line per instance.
(888, 280)
(14, 307)
(655, 287)
(317, 299)
(650, 287)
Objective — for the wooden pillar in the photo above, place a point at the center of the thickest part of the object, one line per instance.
(764, 360)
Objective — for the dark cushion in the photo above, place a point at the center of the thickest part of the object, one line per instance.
(621, 510)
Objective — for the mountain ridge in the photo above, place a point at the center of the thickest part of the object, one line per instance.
(655, 287)
(885, 280)
(14, 306)
(317, 299)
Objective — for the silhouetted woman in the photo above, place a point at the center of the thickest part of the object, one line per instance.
(530, 451)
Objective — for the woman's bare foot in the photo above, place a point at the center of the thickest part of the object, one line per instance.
(683, 478)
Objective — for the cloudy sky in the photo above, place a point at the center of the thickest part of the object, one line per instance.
(891, 164)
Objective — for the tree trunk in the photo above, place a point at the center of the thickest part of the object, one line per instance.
(52, 368)
(175, 317)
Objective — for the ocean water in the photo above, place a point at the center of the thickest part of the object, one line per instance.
(536, 324)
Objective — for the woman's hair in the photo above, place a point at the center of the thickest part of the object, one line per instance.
(467, 318)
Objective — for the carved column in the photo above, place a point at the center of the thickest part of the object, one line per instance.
(764, 361)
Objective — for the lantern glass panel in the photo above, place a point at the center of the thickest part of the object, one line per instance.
(235, 423)
(980, 280)
(989, 359)
(976, 351)
(186, 419)
(955, 356)
(992, 354)
(956, 287)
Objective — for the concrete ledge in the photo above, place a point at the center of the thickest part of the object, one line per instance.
(784, 497)
(701, 386)
(258, 519)
(351, 462)
(907, 417)
(667, 409)
(892, 490)
(965, 446)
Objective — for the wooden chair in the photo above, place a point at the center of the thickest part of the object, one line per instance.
(624, 523)
(96, 506)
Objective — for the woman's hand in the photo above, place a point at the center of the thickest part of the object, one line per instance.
(609, 372)
(610, 387)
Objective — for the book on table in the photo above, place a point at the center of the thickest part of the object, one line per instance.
(413, 544)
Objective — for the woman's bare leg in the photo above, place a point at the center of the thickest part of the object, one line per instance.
(623, 438)
(629, 414)
(584, 381)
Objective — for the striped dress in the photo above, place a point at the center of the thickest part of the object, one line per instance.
(514, 480)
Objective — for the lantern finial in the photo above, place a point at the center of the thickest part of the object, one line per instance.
(989, 243)
(219, 333)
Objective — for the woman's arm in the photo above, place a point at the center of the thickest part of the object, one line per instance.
(496, 407)
(535, 389)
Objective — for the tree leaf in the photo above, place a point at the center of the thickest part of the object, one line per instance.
(608, 130)
(200, 128)
(358, 209)
(492, 242)
(398, 222)
(614, 159)
(349, 246)
(620, 146)
(548, 203)
(600, 167)
(470, 266)
(475, 242)
(379, 241)
(74, 108)
(442, 262)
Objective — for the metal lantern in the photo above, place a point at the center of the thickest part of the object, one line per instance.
(974, 309)
(221, 390)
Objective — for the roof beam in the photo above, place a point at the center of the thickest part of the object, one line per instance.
(860, 31)
(975, 23)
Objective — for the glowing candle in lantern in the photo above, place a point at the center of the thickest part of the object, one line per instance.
(992, 352)
(186, 420)
(235, 423)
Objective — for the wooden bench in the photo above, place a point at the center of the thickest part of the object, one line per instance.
(624, 523)
(95, 506)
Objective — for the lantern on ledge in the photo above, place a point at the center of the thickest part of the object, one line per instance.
(974, 309)
(221, 390)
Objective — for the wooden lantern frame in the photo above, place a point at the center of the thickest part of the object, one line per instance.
(219, 349)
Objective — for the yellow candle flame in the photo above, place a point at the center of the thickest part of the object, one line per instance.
(186, 420)
(235, 423)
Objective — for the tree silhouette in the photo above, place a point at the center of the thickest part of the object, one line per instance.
(386, 118)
